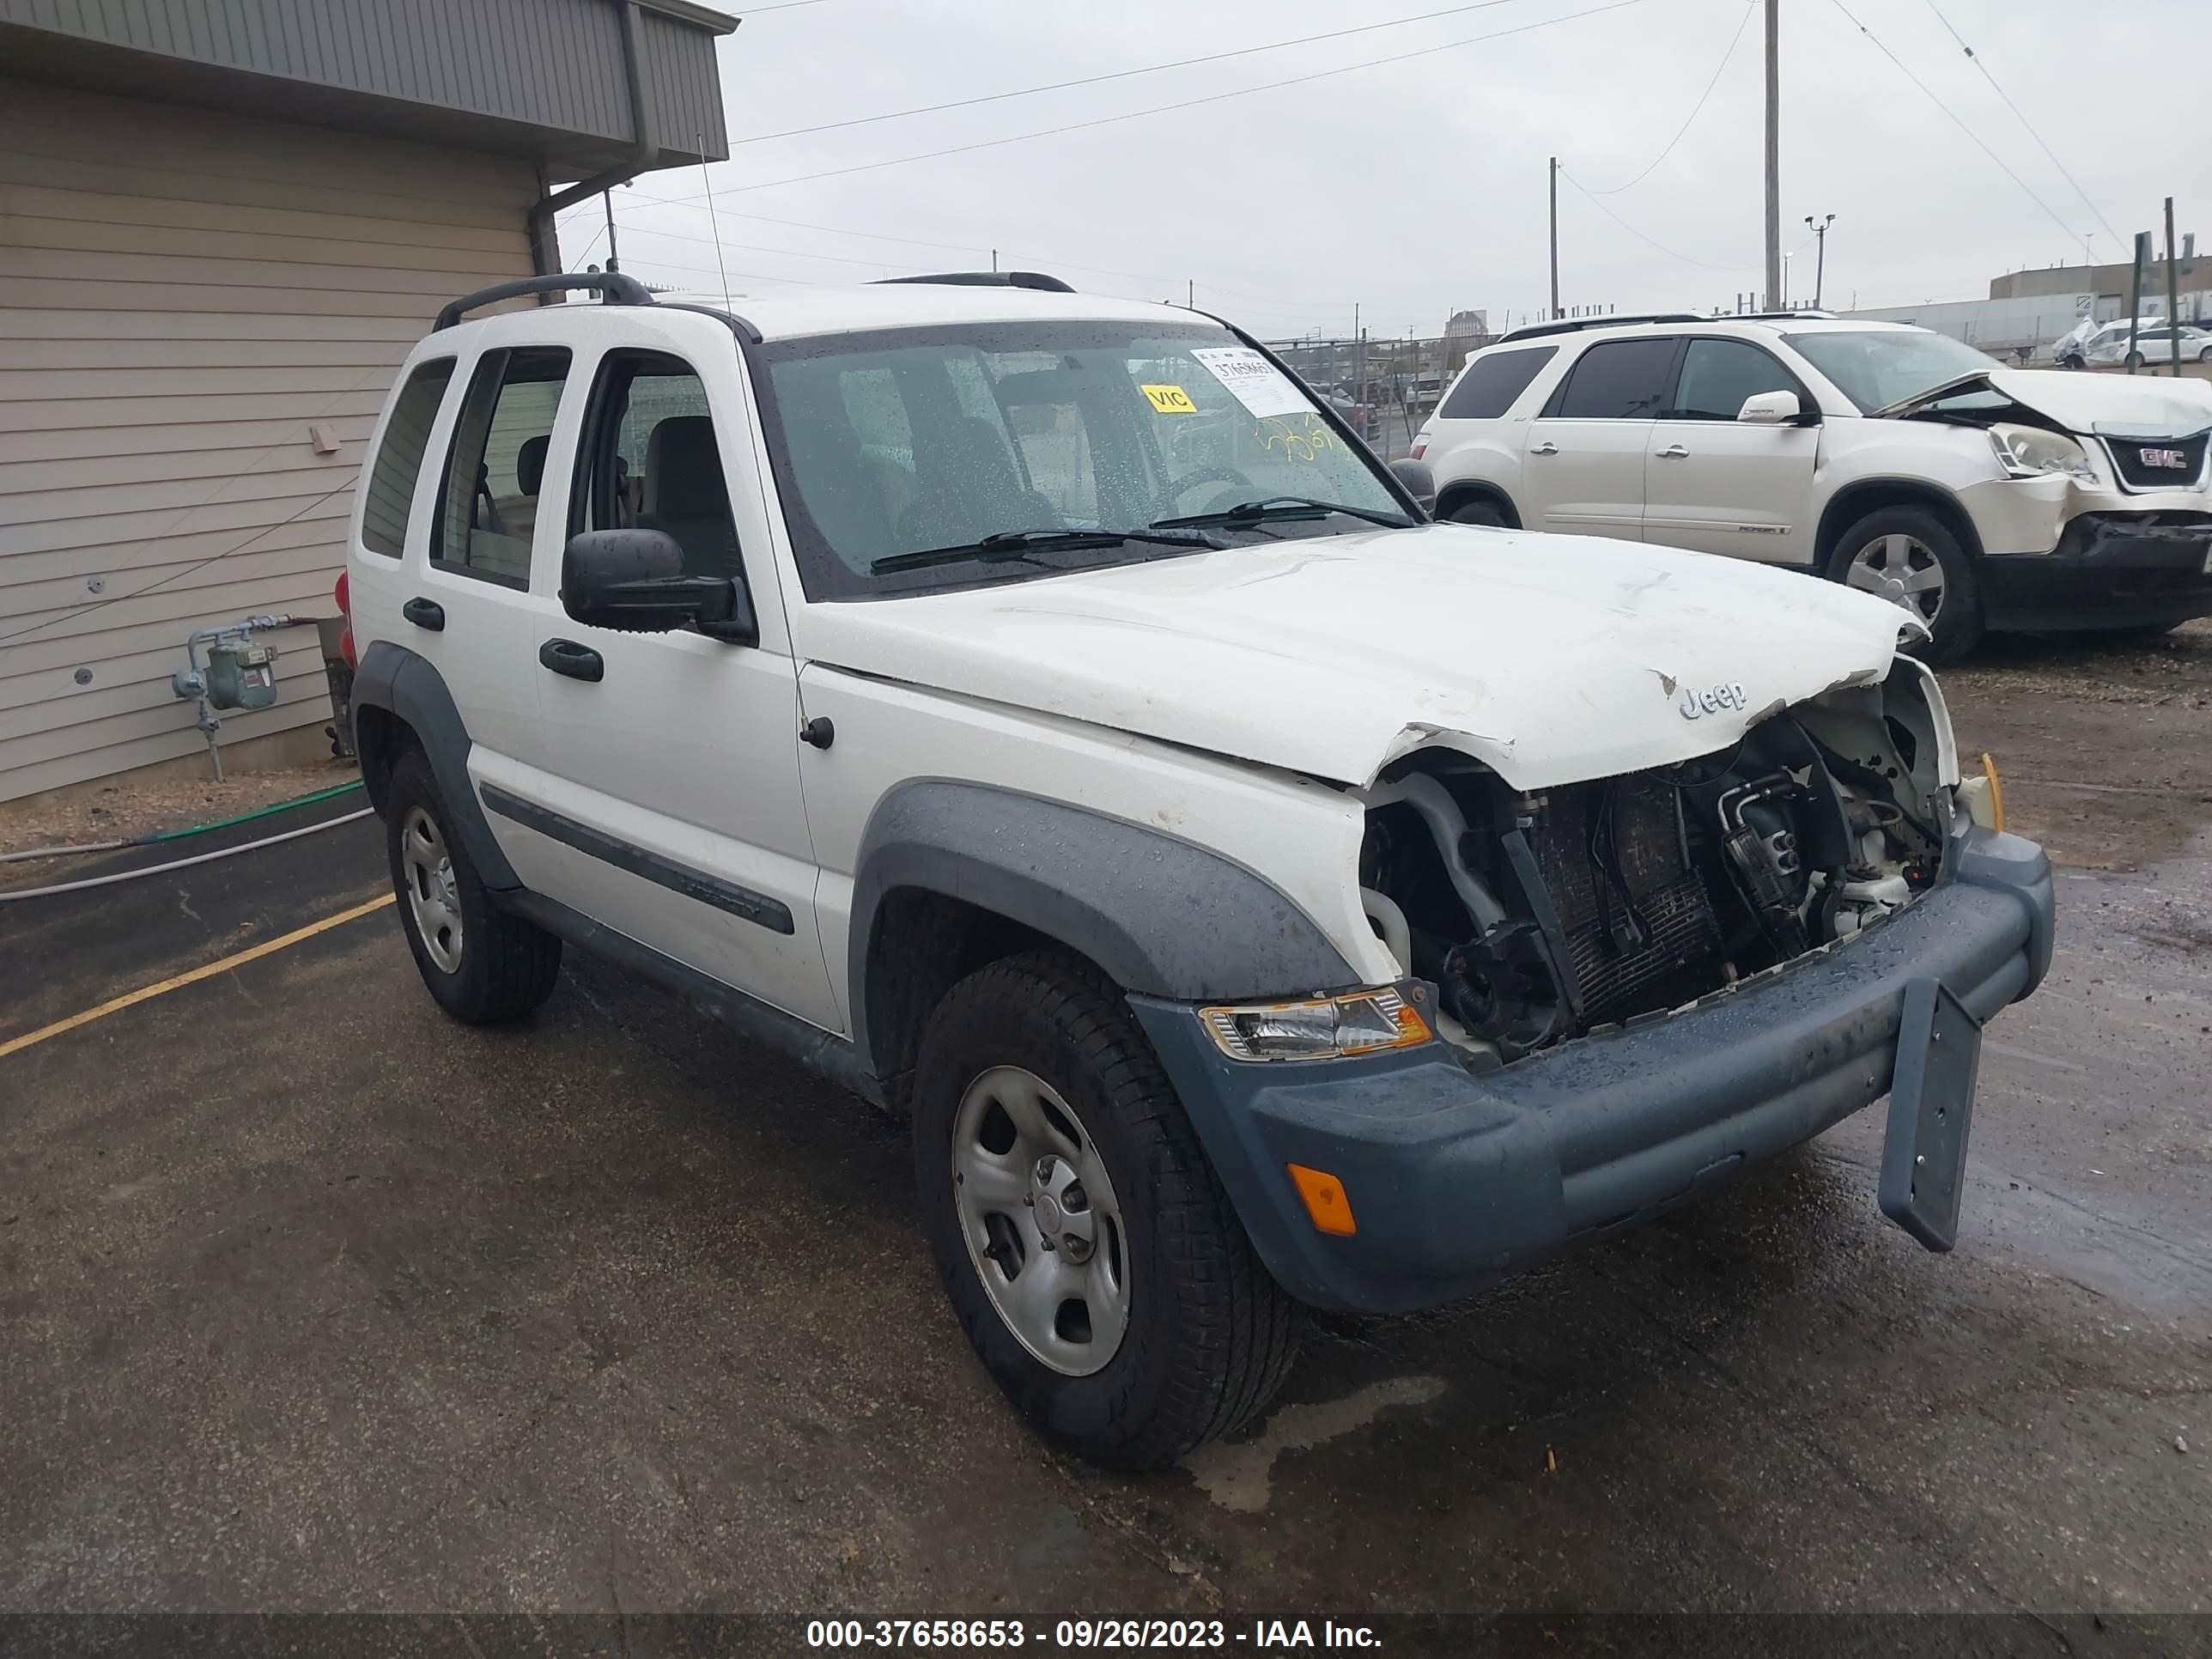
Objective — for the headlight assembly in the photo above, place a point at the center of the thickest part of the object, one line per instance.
(1322, 1028)
(2033, 452)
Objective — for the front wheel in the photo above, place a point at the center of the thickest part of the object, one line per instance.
(1480, 511)
(2135, 360)
(1084, 1240)
(1909, 556)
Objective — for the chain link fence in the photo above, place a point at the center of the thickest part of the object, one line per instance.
(1384, 388)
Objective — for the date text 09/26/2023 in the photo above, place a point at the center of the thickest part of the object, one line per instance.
(1258, 1636)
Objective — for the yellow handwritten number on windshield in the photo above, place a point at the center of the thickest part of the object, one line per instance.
(1297, 443)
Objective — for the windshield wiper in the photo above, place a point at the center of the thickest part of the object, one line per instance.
(1018, 546)
(1284, 507)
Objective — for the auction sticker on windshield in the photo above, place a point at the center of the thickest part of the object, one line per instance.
(1169, 400)
(1253, 380)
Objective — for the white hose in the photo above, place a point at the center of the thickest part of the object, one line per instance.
(180, 863)
(61, 851)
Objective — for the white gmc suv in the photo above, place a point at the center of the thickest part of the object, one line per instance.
(1893, 458)
(1041, 716)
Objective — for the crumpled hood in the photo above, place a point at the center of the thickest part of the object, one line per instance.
(2082, 402)
(1551, 659)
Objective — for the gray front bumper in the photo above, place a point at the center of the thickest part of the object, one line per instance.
(1457, 1179)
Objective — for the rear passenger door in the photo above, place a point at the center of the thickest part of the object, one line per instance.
(464, 606)
(1721, 485)
(664, 799)
(1583, 472)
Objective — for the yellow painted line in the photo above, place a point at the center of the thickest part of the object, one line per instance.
(147, 992)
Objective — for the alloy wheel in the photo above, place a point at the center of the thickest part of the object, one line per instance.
(1042, 1221)
(1903, 569)
(432, 893)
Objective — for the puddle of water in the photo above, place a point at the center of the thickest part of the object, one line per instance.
(1240, 1477)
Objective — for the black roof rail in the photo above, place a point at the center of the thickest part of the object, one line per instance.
(1576, 324)
(613, 287)
(1036, 279)
(1804, 314)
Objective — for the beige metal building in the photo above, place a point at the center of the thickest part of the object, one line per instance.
(222, 223)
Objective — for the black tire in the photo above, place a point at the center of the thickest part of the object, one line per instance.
(1481, 510)
(506, 966)
(1209, 1336)
(2074, 362)
(1957, 628)
(2135, 360)
(2205, 356)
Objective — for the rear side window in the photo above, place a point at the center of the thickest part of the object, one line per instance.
(1617, 380)
(487, 510)
(391, 490)
(1718, 376)
(1492, 383)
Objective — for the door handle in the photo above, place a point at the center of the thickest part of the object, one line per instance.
(1674, 452)
(578, 662)
(425, 613)
(1548, 447)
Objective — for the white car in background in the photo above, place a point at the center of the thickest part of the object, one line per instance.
(2109, 345)
(1973, 495)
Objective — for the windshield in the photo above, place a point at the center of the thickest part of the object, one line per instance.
(1875, 370)
(907, 442)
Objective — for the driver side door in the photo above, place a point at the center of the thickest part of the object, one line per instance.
(664, 799)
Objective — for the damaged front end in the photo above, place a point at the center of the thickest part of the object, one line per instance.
(1543, 916)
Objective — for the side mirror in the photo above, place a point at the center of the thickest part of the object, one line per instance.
(1772, 409)
(633, 582)
(1419, 480)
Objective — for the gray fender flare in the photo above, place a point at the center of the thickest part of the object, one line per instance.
(394, 679)
(1163, 917)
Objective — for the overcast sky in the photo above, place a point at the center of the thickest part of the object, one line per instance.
(1417, 187)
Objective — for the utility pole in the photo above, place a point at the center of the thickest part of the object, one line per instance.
(2172, 299)
(2135, 298)
(607, 196)
(1190, 293)
(1555, 312)
(994, 258)
(1773, 155)
(1819, 259)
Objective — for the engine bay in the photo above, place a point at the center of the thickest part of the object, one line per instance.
(1541, 916)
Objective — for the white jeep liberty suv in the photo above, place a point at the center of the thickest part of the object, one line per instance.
(1044, 717)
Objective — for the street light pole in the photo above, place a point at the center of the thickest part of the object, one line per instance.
(1819, 259)
(1773, 155)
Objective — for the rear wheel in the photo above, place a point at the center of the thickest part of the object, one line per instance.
(1908, 555)
(2205, 356)
(1083, 1238)
(2135, 360)
(480, 964)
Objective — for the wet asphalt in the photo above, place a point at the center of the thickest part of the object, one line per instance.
(311, 1299)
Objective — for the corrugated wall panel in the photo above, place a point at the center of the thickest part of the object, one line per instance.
(554, 64)
(685, 86)
(177, 307)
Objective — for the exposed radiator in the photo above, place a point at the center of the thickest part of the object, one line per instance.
(1652, 891)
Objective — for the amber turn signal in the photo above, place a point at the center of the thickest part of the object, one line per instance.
(1322, 1195)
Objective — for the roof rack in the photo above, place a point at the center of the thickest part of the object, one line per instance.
(1804, 314)
(614, 288)
(1036, 279)
(1576, 324)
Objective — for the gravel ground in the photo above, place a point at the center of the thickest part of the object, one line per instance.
(2100, 743)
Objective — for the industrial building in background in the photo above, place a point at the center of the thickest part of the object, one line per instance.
(222, 223)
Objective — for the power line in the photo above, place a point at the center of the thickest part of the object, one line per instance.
(1962, 126)
(1117, 75)
(1641, 237)
(1161, 109)
(787, 5)
(1975, 57)
(1695, 110)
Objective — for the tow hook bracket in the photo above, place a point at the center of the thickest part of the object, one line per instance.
(1931, 1105)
